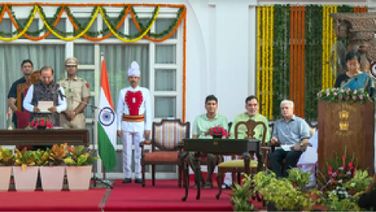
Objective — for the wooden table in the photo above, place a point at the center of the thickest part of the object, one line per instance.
(244, 147)
(44, 137)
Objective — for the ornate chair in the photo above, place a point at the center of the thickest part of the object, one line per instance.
(237, 165)
(23, 117)
(165, 146)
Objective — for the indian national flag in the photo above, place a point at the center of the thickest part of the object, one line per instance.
(106, 123)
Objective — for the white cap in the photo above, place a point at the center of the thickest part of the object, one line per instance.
(134, 70)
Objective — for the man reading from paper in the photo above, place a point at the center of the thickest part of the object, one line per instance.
(46, 99)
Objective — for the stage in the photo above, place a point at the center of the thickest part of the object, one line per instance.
(165, 196)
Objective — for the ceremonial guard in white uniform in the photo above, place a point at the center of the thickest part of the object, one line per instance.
(134, 122)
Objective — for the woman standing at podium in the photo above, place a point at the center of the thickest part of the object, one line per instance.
(354, 78)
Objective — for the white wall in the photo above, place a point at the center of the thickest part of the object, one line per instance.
(220, 54)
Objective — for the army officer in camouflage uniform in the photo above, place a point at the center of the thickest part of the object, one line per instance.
(77, 94)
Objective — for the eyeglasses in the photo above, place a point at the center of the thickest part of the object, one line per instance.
(70, 66)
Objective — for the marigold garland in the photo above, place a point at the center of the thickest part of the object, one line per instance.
(2, 12)
(329, 38)
(264, 63)
(160, 37)
(258, 51)
(266, 68)
(79, 31)
(263, 60)
(46, 33)
(28, 24)
(134, 39)
(122, 17)
(80, 34)
(271, 65)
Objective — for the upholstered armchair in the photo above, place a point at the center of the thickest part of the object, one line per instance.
(166, 147)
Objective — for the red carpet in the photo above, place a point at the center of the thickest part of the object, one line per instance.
(52, 201)
(165, 196)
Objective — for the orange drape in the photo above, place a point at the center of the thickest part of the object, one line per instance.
(360, 10)
(297, 28)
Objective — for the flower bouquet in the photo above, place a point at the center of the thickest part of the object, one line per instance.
(41, 123)
(343, 95)
(218, 132)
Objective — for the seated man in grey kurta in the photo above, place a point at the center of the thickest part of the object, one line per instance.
(290, 135)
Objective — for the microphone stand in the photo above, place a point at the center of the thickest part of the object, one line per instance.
(95, 179)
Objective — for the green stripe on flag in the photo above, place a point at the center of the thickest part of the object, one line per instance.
(106, 149)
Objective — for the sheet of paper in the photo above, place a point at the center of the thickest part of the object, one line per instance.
(286, 147)
(44, 105)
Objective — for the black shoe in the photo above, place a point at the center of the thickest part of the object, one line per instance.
(138, 180)
(127, 180)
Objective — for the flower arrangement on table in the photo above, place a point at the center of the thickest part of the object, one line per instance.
(41, 123)
(218, 132)
(344, 95)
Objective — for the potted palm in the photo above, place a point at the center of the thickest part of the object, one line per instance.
(79, 163)
(6, 163)
(53, 169)
(25, 171)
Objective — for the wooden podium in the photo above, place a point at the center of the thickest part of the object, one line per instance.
(44, 137)
(346, 125)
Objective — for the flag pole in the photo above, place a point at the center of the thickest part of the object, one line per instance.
(107, 124)
(95, 109)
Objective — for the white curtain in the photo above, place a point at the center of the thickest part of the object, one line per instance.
(118, 58)
(10, 67)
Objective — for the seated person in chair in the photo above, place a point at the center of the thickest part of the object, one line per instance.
(201, 127)
(252, 112)
(290, 136)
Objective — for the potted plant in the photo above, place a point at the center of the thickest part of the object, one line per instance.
(241, 195)
(278, 193)
(6, 163)
(25, 171)
(79, 165)
(343, 184)
(53, 169)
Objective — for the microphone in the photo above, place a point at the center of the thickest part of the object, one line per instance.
(61, 95)
(87, 104)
